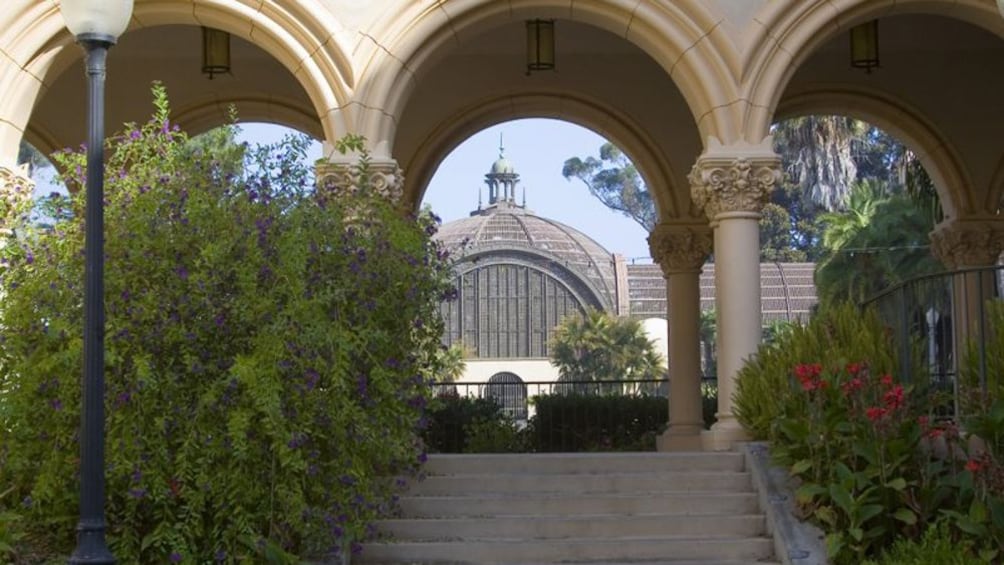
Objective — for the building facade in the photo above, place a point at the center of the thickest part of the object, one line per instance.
(518, 275)
(687, 88)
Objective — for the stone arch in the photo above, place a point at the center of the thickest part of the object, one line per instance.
(903, 122)
(302, 36)
(682, 37)
(791, 32)
(204, 114)
(653, 165)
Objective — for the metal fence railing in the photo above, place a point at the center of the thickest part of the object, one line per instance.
(538, 416)
(942, 326)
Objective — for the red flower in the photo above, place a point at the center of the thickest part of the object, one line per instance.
(886, 379)
(806, 371)
(852, 385)
(875, 413)
(974, 465)
(854, 368)
(923, 421)
(894, 398)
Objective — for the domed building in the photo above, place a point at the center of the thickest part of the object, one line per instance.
(519, 274)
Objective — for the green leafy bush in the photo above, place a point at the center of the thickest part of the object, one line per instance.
(586, 422)
(834, 337)
(936, 547)
(495, 435)
(451, 418)
(267, 354)
(877, 465)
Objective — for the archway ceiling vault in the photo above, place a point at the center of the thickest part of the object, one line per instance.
(259, 86)
(602, 82)
(939, 87)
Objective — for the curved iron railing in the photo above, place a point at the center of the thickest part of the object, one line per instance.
(940, 325)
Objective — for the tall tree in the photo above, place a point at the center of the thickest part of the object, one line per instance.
(818, 156)
(615, 181)
(879, 241)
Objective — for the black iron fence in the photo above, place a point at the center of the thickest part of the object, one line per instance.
(564, 416)
(943, 327)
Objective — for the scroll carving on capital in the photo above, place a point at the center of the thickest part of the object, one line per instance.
(741, 184)
(383, 177)
(680, 248)
(968, 243)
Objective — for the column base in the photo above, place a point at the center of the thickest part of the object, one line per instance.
(680, 439)
(723, 436)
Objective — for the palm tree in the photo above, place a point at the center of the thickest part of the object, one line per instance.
(596, 346)
(881, 240)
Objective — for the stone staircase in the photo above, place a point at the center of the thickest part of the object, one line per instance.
(596, 508)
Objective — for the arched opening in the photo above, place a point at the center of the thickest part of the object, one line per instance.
(258, 88)
(509, 392)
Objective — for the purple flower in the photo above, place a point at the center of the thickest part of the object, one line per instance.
(135, 135)
(56, 404)
(361, 386)
(312, 378)
(140, 493)
(182, 273)
(175, 556)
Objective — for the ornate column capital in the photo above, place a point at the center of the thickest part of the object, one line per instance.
(680, 248)
(976, 242)
(734, 178)
(344, 174)
(16, 189)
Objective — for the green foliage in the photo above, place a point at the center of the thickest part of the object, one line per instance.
(874, 462)
(936, 547)
(834, 337)
(615, 181)
(593, 422)
(495, 435)
(879, 241)
(267, 355)
(597, 346)
(451, 419)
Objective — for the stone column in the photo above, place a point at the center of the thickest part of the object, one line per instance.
(963, 244)
(732, 184)
(345, 174)
(681, 249)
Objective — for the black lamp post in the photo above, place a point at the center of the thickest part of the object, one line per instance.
(96, 24)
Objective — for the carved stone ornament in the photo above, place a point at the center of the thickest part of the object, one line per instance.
(385, 177)
(968, 243)
(680, 248)
(740, 184)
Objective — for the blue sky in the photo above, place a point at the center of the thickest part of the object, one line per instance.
(537, 148)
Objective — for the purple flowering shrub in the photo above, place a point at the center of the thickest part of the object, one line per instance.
(268, 351)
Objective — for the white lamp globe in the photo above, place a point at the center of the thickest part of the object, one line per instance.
(105, 18)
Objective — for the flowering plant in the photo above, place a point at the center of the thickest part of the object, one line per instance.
(267, 355)
(875, 464)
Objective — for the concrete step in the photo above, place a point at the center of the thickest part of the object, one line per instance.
(548, 505)
(588, 562)
(581, 463)
(655, 481)
(558, 527)
(568, 551)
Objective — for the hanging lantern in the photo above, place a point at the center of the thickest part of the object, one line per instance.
(215, 52)
(864, 46)
(539, 45)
